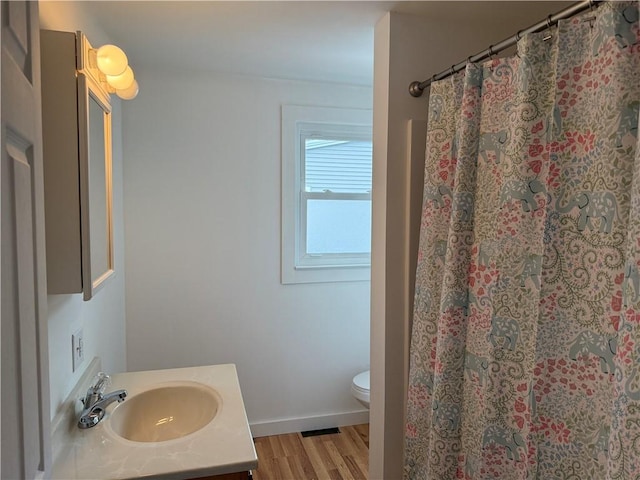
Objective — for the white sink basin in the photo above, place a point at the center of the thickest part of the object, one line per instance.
(165, 412)
(175, 423)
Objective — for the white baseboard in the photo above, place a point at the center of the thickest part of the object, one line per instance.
(301, 424)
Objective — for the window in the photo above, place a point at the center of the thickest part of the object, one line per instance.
(326, 197)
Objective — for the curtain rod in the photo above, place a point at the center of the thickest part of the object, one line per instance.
(416, 88)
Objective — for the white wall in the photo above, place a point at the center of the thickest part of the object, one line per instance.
(102, 319)
(202, 215)
(398, 42)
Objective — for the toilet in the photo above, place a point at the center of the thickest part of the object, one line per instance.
(360, 388)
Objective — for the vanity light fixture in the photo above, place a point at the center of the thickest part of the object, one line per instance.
(124, 80)
(116, 76)
(111, 60)
(128, 93)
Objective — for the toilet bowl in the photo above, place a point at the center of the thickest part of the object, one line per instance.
(360, 388)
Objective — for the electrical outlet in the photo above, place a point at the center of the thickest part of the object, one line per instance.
(77, 343)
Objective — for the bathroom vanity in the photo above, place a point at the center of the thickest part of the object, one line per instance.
(184, 423)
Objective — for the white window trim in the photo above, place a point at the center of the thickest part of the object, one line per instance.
(298, 121)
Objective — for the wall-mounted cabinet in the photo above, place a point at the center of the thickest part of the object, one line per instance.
(76, 127)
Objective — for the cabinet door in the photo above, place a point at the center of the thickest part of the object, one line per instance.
(25, 417)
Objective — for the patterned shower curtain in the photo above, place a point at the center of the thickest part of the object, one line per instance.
(525, 350)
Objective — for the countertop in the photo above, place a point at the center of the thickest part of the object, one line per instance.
(223, 446)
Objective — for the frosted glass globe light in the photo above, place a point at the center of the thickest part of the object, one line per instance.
(128, 93)
(111, 60)
(122, 81)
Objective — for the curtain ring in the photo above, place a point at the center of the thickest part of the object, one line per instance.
(491, 54)
(549, 21)
(518, 35)
(469, 62)
(452, 71)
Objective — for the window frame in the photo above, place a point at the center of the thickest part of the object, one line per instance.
(300, 123)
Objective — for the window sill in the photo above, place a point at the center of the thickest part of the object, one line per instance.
(326, 274)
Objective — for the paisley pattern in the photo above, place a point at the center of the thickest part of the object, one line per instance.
(525, 347)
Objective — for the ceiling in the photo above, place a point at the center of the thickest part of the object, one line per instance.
(303, 40)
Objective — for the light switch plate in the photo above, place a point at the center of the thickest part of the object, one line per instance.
(77, 344)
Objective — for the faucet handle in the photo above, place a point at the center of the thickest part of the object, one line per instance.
(100, 383)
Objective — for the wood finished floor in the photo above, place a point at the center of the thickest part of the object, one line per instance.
(339, 456)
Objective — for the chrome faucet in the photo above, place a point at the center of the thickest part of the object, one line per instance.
(96, 402)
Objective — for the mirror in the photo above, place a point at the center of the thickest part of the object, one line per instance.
(95, 185)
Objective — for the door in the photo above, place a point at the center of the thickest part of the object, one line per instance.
(24, 392)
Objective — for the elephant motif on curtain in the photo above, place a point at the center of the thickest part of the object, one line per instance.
(618, 24)
(436, 193)
(493, 142)
(590, 343)
(502, 142)
(455, 299)
(512, 440)
(463, 206)
(440, 250)
(505, 329)
(600, 205)
(531, 268)
(423, 298)
(446, 415)
(477, 302)
(476, 364)
(486, 249)
(522, 190)
(436, 105)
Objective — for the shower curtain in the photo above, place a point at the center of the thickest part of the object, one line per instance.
(525, 347)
